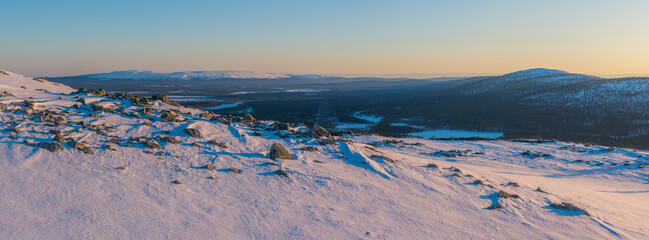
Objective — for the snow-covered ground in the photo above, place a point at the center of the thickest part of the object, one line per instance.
(443, 133)
(361, 187)
(369, 118)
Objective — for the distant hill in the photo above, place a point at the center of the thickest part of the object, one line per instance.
(137, 74)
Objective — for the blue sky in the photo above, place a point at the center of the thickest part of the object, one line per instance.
(434, 38)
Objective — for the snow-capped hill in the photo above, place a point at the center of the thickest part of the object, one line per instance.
(524, 82)
(202, 75)
(535, 72)
(91, 164)
(309, 76)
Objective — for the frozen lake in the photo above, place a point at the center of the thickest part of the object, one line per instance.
(455, 133)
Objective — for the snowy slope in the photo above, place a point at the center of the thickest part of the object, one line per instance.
(361, 187)
(136, 74)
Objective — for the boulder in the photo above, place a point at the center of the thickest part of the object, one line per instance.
(59, 138)
(503, 194)
(282, 173)
(569, 207)
(319, 131)
(76, 145)
(169, 139)
(52, 147)
(193, 132)
(168, 116)
(160, 97)
(3, 106)
(277, 151)
(152, 144)
(216, 143)
(88, 150)
(249, 118)
(327, 141)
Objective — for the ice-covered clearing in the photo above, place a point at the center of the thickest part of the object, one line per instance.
(224, 106)
(361, 187)
(442, 133)
(369, 118)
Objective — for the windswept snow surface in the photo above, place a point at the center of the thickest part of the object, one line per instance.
(361, 187)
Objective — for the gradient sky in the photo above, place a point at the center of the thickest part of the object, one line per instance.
(340, 37)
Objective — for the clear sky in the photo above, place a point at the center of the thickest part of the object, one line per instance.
(344, 37)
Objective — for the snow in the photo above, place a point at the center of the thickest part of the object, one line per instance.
(306, 90)
(535, 72)
(224, 106)
(137, 74)
(362, 188)
(186, 98)
(455, 133)
(369, 118)
(346, 126)
(406, 125)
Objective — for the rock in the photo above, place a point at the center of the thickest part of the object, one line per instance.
(538, 189)
(109, 147)
(52, 147)
(206, 115)
(327, 141)
(431, 165)
(249, 118)
(495, 206)
(569, 207)
(277, 151)
(281, 126)
(282, 173)
(271, 164)
(114, 140)
(96, 107)
(160, 97)
(94, 115)
(478, 182)
(3, 106)
(167, 116)
(88, 150)
(195, 144)
(384, 158)
(513, 184)
(319, 131)
(503, 194)
(76, 145)
(29, 142)
(209, 167)
(310, 149)
(216, 143)
(234, 170)
(152, 144)
(169, 139)
(193, 132)
(16, 130)
(176, 182)
(59, 138)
